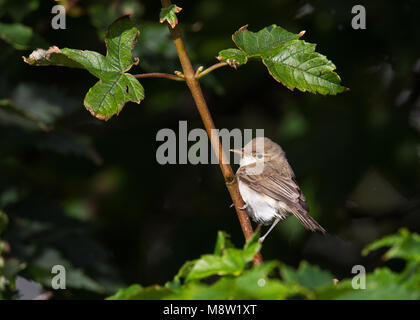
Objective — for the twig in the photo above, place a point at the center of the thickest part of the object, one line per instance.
(159, 75)
(195, 89)
(210, 69)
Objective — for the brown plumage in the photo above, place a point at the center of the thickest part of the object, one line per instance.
(272, 178)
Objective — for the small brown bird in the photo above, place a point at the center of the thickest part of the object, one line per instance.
(268, 187)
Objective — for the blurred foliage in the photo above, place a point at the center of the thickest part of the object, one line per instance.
(222, 275)
(9, 267)
(91, 195)
(17, 34)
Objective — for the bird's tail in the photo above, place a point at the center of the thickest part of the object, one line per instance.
(308, 222)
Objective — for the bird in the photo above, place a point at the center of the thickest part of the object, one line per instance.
(268, 186)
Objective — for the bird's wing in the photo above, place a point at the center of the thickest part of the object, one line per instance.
(280, 184)
(277, 184)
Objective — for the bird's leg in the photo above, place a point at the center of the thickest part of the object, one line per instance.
(271, 228)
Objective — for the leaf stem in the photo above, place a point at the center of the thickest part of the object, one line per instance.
(159, 75)
(210, 69)
(197, 94)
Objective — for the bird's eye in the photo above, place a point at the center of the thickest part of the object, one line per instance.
(259, 156)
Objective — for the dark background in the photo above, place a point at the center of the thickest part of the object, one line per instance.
(91, 192)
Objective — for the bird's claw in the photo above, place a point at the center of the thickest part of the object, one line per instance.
(240, 208)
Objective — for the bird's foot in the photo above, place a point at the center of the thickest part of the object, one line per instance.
(261, 239)
(244, 207)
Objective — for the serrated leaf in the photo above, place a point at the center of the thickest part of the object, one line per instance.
(267, 39)
(115, 87)
(291, 61)
(108, 97)
(296, 65)
(169, 14)
(233, 57)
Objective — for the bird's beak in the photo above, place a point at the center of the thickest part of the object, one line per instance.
(237, 151)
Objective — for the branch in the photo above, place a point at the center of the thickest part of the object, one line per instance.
(197, 94)
(159, 75)
(210, 69)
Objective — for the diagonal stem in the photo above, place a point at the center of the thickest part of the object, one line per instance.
(197, 94)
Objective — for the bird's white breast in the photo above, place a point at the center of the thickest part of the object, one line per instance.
(262, 209)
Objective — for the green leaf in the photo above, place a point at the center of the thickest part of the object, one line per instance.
(115, 87)
(308, 276)
(382, 284)
(291, 61)
(169, 14)
(20, 36)
(255, 284)
(182, 274)
(296, 65)
(51, 57)
(404, 245)
(252, 246)
(126, 293)
(232, 262)
(137, 292)
(233, 57)
(222, 242)
(267, 39)
(198, 291)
